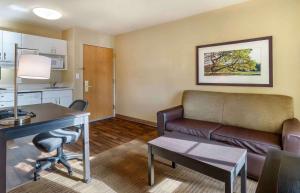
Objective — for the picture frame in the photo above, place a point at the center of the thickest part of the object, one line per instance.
(246, 62)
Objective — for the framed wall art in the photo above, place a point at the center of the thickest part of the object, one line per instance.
(237, 63)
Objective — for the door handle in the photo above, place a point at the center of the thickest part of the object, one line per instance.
(4, 56)
(86, 86)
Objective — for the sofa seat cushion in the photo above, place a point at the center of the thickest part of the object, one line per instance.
(192, 127)
(254, 141)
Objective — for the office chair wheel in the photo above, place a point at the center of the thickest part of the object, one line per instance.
(36, 176)
(37, 165)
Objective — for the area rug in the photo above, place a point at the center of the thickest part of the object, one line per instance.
(124, 170)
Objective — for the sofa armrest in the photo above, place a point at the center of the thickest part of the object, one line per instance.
(167, 115)
(291, 136)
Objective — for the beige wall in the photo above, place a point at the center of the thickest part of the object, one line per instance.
(77, 37)
(154, 65)
(68, 75)
(7, 74)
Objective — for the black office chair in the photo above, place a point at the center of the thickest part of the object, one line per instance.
(54, 140)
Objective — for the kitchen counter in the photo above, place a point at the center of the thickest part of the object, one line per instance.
(36, 94)
(10, 89)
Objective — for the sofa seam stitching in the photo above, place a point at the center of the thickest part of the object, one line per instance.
(244, 139)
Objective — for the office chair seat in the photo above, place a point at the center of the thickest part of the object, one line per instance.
(46, 143)
(50, 141)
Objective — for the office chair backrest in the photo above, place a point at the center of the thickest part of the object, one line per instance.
(79, 105)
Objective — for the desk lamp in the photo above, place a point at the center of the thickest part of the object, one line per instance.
(29, 66)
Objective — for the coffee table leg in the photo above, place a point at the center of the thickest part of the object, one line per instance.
(173, 165)
(229, 185)
(244, 178)
(150, 166)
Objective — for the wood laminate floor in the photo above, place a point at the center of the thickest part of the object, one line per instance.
(112, 132)
(104, 135)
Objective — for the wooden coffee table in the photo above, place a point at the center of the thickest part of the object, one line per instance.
(221, 162)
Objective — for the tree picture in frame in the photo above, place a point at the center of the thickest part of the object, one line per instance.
(237, 63)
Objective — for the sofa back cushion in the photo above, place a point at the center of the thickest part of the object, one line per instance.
(257, 111)
(253, 111)
(202, 105)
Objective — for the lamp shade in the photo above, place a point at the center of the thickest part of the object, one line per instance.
(34, 67)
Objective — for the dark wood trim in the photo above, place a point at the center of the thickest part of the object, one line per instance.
(136, 120)
(269, 38)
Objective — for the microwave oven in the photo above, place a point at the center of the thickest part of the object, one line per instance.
(57, 61)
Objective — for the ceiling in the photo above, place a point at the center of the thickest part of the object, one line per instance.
(109, 16)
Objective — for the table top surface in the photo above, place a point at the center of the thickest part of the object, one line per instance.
(46, 113)
(203, 150)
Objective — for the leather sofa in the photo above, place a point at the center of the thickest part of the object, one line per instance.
(256, 122)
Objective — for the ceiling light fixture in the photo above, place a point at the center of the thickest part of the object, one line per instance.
(45, 13)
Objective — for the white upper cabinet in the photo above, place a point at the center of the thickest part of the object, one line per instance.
(59, 47)
(1, 38)
(56, 49)
(7, 46)
(30, 41)
(45, 45)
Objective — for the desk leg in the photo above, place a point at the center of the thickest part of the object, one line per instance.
(3, 166)
(86, 151)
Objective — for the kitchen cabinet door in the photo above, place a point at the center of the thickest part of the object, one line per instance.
(65, 98)
(6, 99)
(9, 39)
(42, 44)
(1, 42)
(31, 41)
(65, 101)
(60, 97)
(7, 96)
(6, 104)
(45, 45)
(53, 46)
(29, 98)
(54, 100)
(59, 47)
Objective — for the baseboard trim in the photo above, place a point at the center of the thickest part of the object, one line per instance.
(141, 121)
(102, 118)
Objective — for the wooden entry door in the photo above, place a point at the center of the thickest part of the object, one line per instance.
(98, 81)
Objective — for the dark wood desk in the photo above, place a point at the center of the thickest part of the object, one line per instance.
(48, 117)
